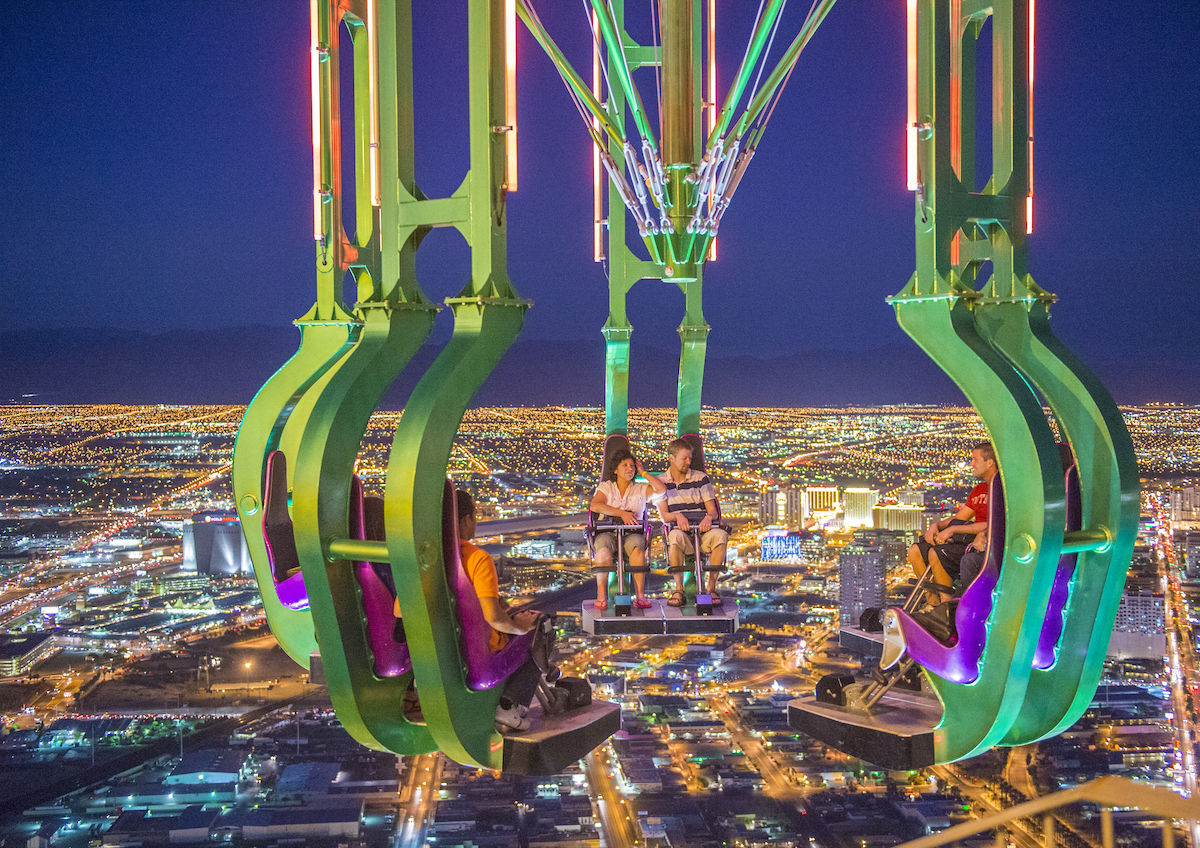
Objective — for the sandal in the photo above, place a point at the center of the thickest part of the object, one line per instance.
(716, 600)
(600, 605)
(642, 603)
(677, 599)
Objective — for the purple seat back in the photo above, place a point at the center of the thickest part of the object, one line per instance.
(959, 663)
(278, 537)
(1052, 629)
(484, 669)
(378, 601)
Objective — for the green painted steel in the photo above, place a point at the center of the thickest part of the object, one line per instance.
(317, 407)
(995, 343)
(679, 241)
(487, 317)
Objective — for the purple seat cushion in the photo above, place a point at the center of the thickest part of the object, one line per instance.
(484, 669)
(278, 537)
(378, 602)
(1052, 629)
(959, 662)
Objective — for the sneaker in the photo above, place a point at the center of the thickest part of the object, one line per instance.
(512, 718)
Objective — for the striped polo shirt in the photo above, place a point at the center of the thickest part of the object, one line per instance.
(689, 496)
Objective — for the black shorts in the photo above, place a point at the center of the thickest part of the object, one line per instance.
(949, 554)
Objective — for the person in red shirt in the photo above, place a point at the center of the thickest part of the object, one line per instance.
(944, 543)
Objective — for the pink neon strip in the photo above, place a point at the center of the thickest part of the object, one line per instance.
(510, 93)
(373, 88)
(315, 65)
(911, 133)
(597, 198)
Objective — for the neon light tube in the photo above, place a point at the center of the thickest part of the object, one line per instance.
(510, 94)
(911, 131)
(373, 88)
(318, 153)
(1029, 110)
(712, 99)
(597, 174)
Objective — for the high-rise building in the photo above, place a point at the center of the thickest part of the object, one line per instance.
(893, 544)
(862, 580)
(783, 506)
(213, 544)
(858, 505)
(1140, 629)
(1185, 508)
(1187, 544)
(820, 499)
(911, 497)
(893, 516)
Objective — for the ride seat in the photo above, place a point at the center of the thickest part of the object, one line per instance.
(484, 669)
(278, 537)
(958, 662)
(391, 657)
(1060, 590)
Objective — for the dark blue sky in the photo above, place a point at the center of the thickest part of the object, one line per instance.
(156, 166)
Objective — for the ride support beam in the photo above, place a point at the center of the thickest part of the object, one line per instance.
(488, 315)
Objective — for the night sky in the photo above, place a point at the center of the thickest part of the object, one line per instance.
(156, 176)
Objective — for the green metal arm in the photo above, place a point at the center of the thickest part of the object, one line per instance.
(779, 75)
(611, 124)
(758, 41)
(610, 33)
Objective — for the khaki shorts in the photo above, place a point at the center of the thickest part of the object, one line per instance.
(714, 538)
(608, 542)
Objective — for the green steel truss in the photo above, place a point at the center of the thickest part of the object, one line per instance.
(317, 407)
(681, 186)
(991, 335)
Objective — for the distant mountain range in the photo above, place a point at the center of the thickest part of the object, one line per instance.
(229, 365)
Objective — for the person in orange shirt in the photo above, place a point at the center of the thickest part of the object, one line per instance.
(481, 570)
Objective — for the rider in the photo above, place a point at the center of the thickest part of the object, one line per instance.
(945, 542)
(619, 496)
(520, 688)
(690, 499)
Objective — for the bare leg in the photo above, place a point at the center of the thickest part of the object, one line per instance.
(940, 575)
(603, 559)
(716, 557)
(636, 560)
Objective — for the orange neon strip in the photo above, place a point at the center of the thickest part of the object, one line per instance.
(373, 89)
(315, 65)
(510, 93)
(911, 132)
(597, 183)
(1028, 214)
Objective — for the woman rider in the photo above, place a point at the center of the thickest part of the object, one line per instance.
(620, 497)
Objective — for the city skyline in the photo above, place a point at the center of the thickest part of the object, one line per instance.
(110, 638)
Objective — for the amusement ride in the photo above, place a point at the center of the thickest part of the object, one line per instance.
(333, 566)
